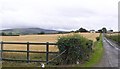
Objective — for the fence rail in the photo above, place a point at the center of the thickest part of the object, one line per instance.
(47, 44)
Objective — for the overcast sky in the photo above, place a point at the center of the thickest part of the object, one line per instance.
(59, 14)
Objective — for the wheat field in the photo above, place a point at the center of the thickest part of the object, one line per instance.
(113, 33)
(52, 38)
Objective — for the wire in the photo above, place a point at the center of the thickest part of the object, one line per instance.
(56, 57)
(43, 65)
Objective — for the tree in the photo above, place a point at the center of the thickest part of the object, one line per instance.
(3, 33)
(41, 32)
(60, 32)
(100, 31)
(72, 31)
(104, 30)
(10, 33)
(82, 30)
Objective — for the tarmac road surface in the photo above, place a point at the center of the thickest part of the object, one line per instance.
(110, 57)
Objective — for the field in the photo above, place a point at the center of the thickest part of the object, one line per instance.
(34, 38)
(114, 37)
(113, 33)
(39, 38)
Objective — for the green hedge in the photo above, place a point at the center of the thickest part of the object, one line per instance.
(77, 48)
(97, 38)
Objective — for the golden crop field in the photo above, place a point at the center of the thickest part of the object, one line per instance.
(39, 38)
(113, 33)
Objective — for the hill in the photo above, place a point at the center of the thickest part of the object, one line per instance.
(28, 31)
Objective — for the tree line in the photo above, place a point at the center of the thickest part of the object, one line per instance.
(103, 30)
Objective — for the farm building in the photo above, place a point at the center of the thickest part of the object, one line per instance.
(92, 31)
(110, 31)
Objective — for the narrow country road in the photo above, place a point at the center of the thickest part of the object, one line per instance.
(110, 56)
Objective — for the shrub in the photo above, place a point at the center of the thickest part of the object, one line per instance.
(77, 48)
(41, 32)
(97, 38)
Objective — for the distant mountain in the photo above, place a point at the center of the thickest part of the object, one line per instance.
(29, 30)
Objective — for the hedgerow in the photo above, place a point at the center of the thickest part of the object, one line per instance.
(77, 48)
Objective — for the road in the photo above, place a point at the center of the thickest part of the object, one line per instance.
(110, 56)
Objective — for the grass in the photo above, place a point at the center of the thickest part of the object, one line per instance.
(23, 56)
(14, 55)
(114, 37)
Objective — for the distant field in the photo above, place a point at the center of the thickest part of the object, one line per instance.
(39, 38)
(114, 37)
(113, 33)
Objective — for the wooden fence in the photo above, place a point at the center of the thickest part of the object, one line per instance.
(27, 51)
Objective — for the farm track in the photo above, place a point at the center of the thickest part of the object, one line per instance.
(110, 57)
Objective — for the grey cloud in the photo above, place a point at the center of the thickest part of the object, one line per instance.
(76, 12)
(61, 14)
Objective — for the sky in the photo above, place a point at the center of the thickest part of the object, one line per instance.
(59, 14)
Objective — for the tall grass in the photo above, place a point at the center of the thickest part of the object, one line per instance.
(114, 38)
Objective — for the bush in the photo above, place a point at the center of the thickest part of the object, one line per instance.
(97, 38)
(41, 32)
(77, 48)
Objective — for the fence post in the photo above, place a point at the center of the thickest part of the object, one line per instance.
(1, 50)
(28, 56)
(47, 52)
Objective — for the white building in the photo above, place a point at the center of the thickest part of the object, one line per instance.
(92, 31)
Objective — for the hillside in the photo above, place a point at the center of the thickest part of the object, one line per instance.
(29, 30)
